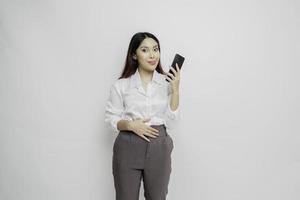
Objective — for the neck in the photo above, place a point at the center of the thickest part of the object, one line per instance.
(146, 76)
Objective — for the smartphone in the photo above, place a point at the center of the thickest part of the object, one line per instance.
(177, 59)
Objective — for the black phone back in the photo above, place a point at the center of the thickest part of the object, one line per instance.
(177, 59)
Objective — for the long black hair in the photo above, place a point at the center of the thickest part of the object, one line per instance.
(131, 64)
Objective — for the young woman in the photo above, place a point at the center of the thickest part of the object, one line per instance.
(142, 107)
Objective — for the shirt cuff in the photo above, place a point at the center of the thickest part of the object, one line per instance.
(113, 123)
(173, 115)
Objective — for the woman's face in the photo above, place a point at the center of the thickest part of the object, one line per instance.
(147, 54)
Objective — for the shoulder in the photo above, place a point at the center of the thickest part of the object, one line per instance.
(121, 84)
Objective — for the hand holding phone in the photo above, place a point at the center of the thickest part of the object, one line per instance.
(179, 60)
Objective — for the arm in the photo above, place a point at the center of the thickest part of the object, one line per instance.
(114, 110)
(174, 102)
(124, 125)
(173, 114)
(114, 114)
(173, 110)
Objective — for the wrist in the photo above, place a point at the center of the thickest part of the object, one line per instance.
(129, 125)
(176, 92)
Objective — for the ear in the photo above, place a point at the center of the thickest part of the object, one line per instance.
(134, 57)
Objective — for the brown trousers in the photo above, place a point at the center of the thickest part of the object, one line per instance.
(135, 159)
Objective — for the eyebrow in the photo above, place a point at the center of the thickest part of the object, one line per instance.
(148, 47)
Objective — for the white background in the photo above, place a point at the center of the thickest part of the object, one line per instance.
(239, 133)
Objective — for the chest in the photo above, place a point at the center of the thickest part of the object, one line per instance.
(147, 95)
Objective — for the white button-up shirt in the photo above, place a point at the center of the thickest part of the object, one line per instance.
(128, 100)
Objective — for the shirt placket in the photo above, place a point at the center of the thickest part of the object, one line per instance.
(148, 100)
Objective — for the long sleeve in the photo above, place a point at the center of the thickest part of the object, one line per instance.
(114, 108)
(172, 117)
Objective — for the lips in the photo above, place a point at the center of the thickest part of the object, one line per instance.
(152, 62)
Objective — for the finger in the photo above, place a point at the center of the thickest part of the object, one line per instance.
(173, 70)
(172, 76)
(177, 67)
(146, 120)
(151, 133)
(178, 70)
(168, 79)
(153, 129)
(154, 133)
(142, 136)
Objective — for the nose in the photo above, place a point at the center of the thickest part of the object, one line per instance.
(151, 54)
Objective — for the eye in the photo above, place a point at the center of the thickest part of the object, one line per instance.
(144, 50)
(156, 49)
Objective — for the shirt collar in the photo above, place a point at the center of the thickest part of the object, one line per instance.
(135, 79)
